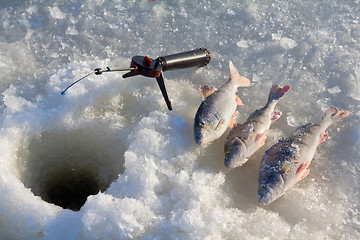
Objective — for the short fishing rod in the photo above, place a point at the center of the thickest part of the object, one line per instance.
(97, 71)
(145, 66)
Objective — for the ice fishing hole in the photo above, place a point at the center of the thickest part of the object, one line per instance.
(66, 168)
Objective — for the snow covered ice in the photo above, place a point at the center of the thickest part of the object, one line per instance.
(115, 138)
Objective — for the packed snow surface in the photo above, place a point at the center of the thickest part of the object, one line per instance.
(109, 161)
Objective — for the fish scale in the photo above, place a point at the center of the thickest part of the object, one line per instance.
(286, 162)
(216, 111)
(245, 139)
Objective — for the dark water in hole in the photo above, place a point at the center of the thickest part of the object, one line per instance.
(66, 168)
(70, 188)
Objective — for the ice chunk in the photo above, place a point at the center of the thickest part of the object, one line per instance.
(13, 102)
(231, 12)
(334, 90)
(276, 37)
(256, 78)
(357, 71)
(242, 44)
(291, 120)
(287, 43)
(56, 13)
(111, 218)
(72, 31)
(355, 93)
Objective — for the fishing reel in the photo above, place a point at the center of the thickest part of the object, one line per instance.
(154, 68)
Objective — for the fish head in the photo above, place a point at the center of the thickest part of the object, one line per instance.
(271, 185)
(236, 156)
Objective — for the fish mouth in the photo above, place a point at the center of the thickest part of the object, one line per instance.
(265, 199)
(202, 140)
(232, 163)
(269, 192)
(202, 135)
(235, 157)
(198, 136)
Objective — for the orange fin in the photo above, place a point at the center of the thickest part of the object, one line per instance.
(207, 91)
(260, 137)
(276, 115)
(302, 167)
(232, 121)
(304, 174)
(323, 137)
(238, 101)
(262, 141)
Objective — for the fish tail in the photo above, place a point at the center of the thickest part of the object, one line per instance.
(276, 92)
(234, 75)
(333, 114)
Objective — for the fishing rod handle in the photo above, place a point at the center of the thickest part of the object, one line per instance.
(195, 58)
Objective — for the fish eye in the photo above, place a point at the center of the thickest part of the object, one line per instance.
(262, 186)
(227, 154)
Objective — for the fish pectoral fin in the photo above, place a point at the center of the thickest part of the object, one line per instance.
(260, 138)
(302, 168)
(323, 137)
(304, 174)
(276, 115)
(232, 121)
(206, 91)
(238, 101)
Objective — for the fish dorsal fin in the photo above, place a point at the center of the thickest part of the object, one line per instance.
(248, 130)
(234, 75)
(207, 91)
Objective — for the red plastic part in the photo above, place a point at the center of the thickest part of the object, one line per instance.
(147, 61)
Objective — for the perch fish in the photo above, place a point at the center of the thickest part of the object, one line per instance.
(245, 139)
(217, 110)
(286, 162)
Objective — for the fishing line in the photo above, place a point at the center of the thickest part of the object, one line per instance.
(97, 71)
(63, 92)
